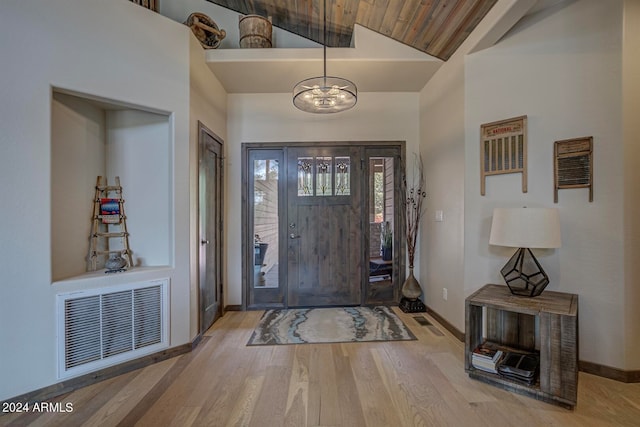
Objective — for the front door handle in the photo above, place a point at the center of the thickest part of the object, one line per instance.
(204, 242)
(294, 236)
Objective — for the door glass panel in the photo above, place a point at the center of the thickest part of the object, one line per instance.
(343, 176)
(323, 176)
(266, 174)
(305, 176)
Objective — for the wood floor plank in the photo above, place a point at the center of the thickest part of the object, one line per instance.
(375, 398)
(298, 392)
(224, 382)
(349, 403)
(242, 411)
(185, 416)
(271, 404)
(117, 408)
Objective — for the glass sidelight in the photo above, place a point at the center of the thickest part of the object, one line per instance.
(266, 174)
(382, 229)
(263, 235)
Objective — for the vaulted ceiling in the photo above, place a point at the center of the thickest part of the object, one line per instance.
(435, 27)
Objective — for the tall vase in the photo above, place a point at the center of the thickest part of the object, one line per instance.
(411, 288)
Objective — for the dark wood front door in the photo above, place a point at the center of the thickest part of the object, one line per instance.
(324, 226)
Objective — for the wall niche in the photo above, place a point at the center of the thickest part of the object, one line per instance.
(92, 137)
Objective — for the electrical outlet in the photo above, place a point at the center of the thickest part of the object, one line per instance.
(444, 294)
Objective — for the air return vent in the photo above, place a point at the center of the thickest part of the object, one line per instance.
(103, 327)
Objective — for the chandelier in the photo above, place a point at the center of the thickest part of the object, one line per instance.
(325, 94)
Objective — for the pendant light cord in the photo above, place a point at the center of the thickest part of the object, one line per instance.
(324, 94)
(324, 38)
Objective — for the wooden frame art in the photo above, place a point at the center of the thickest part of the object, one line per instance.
(148, 4)
(503, 146)
(573, 165)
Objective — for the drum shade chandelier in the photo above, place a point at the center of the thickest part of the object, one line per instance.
(325, 94)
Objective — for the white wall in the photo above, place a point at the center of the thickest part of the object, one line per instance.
(139, 152)
(568, 70)
(273, 118)
(442, 145)
(208, 104)
(631, 155)
(562, 69)
(67, 47)
(77, 157)
(442, 149)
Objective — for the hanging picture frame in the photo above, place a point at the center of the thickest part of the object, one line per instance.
(148, 4)
(573, 165)
(503, 149)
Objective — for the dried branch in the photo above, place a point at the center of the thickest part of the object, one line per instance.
(413, 209)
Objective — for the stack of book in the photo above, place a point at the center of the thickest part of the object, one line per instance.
(519, 367)
(487, 357)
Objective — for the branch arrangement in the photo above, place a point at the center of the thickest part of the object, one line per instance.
(413, 209)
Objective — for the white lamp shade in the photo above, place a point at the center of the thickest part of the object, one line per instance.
(525, 227)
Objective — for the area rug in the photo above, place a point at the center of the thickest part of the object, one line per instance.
(329, 325)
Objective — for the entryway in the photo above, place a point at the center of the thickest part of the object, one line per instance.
(313, 220)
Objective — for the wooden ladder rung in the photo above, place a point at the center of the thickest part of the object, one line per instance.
(117, 198)
(109, 187)
(111, 234)
(118, 251)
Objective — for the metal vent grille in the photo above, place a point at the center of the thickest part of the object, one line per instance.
(109, 327)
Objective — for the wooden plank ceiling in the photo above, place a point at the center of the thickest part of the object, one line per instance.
(435, 27)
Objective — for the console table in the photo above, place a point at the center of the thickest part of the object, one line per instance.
(546, 324)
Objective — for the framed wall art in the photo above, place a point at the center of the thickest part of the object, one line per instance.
(503, 149)
(573, 165)
(149, 4)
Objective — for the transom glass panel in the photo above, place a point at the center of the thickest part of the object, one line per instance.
(323, 176)
(305, 176)
(343, 176)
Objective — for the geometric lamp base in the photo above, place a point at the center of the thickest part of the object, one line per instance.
(524, 275)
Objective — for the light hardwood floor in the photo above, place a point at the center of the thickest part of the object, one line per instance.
(412, 383)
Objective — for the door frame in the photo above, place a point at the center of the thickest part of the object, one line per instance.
(367, 146)
(205, 133)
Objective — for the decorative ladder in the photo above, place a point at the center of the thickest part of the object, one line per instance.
(103, 222)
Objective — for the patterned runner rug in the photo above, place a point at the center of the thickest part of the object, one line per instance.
(329, 325)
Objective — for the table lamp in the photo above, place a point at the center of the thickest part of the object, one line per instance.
(525, 228)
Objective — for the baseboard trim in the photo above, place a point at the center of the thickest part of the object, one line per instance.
(72, 384)
(448, 326)
(233, 308)
(196, 341)
(609, 372)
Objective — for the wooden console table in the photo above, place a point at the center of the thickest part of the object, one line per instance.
(511, 323)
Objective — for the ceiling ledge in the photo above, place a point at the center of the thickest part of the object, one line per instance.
(375, 63)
